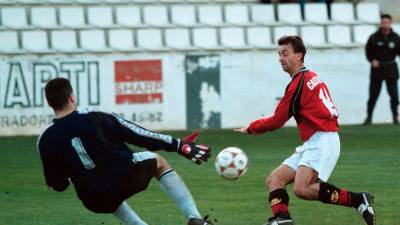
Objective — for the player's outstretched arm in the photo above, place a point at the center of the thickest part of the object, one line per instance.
(118, 128)
(198, 153)
(243, 130)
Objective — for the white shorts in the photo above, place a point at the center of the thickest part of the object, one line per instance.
(320, 153)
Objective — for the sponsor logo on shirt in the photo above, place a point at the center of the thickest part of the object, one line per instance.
(313, 82)
(392, 45)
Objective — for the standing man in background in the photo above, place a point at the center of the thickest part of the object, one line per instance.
(382, 48)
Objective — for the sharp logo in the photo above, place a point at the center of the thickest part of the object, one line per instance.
(138, 81)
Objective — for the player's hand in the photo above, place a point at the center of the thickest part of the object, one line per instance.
(375, 63)
(243, 130)
(198, 153)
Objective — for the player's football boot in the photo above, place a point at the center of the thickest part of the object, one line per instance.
(196, 221)
(366, 210)
(281, 219)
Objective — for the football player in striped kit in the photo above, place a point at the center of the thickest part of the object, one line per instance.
(308, 100)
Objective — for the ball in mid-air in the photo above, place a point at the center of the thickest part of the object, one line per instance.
(231, 163)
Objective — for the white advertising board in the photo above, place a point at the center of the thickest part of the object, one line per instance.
(156, 90)
(146, 89)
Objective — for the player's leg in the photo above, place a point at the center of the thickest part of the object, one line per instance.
(174, 186)
(278, 196)
(320, 155)
(141, 172)
(374, 90)
(279, 178)
(306, 185)
(392, 89)
(127, 215)
(362, 201)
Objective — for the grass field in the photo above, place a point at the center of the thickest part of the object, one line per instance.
(369, 162)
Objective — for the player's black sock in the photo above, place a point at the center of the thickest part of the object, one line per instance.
(279, 202)
(330, 194)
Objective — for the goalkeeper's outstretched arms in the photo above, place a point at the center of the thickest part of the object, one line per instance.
(118, 128)
(198, 153)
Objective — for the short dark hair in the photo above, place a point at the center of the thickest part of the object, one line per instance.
(296, 42)
(386, 16)
(57, 92)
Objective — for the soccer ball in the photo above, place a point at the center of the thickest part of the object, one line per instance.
(231, 163)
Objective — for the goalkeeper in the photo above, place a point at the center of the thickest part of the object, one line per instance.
(89, 149)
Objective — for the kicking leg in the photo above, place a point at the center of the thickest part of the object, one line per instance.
(307, 186)
(127, 215)
(174, 186)
(363, 201)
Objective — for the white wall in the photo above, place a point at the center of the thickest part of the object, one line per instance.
(258, 81)
(251, 83)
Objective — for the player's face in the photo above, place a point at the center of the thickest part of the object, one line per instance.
(386, 24)
(288, 59)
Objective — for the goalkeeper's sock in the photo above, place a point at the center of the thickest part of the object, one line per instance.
(279, 202)
(330, 194)
(127, 215)
(174, 186)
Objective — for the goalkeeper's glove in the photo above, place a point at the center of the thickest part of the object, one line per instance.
(198, 153)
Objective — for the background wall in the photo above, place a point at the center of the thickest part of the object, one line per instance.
(176, 91)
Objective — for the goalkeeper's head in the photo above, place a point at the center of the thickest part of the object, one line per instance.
(59, 94)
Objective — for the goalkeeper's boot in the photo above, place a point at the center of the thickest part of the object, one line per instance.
(366, 210)
(280, 219)
(196, 221)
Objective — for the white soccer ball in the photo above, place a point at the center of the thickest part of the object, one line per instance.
(231, 163)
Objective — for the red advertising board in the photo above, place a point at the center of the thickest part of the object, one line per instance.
(138, 82)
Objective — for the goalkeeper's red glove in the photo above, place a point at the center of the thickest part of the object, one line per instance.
(198, 153)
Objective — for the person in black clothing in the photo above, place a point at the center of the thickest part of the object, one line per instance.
(90, 150)
(382, 48)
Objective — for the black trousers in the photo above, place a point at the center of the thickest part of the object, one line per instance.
(374, 90)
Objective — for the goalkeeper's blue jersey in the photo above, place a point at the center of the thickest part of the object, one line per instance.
(90, 150)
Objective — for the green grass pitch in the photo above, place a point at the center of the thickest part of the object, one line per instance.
(369, 161)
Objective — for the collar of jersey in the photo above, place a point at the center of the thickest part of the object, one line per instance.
(301, 70)
(55, 120)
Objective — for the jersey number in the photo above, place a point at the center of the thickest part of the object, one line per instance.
(323, 95)
(83, 155)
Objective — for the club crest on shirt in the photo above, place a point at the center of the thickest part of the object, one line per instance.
(392, 45)
(334, 196)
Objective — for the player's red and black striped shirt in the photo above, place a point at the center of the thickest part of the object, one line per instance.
(307, 98)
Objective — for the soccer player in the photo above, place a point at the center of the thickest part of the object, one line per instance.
(90, 150)
(307, 99)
